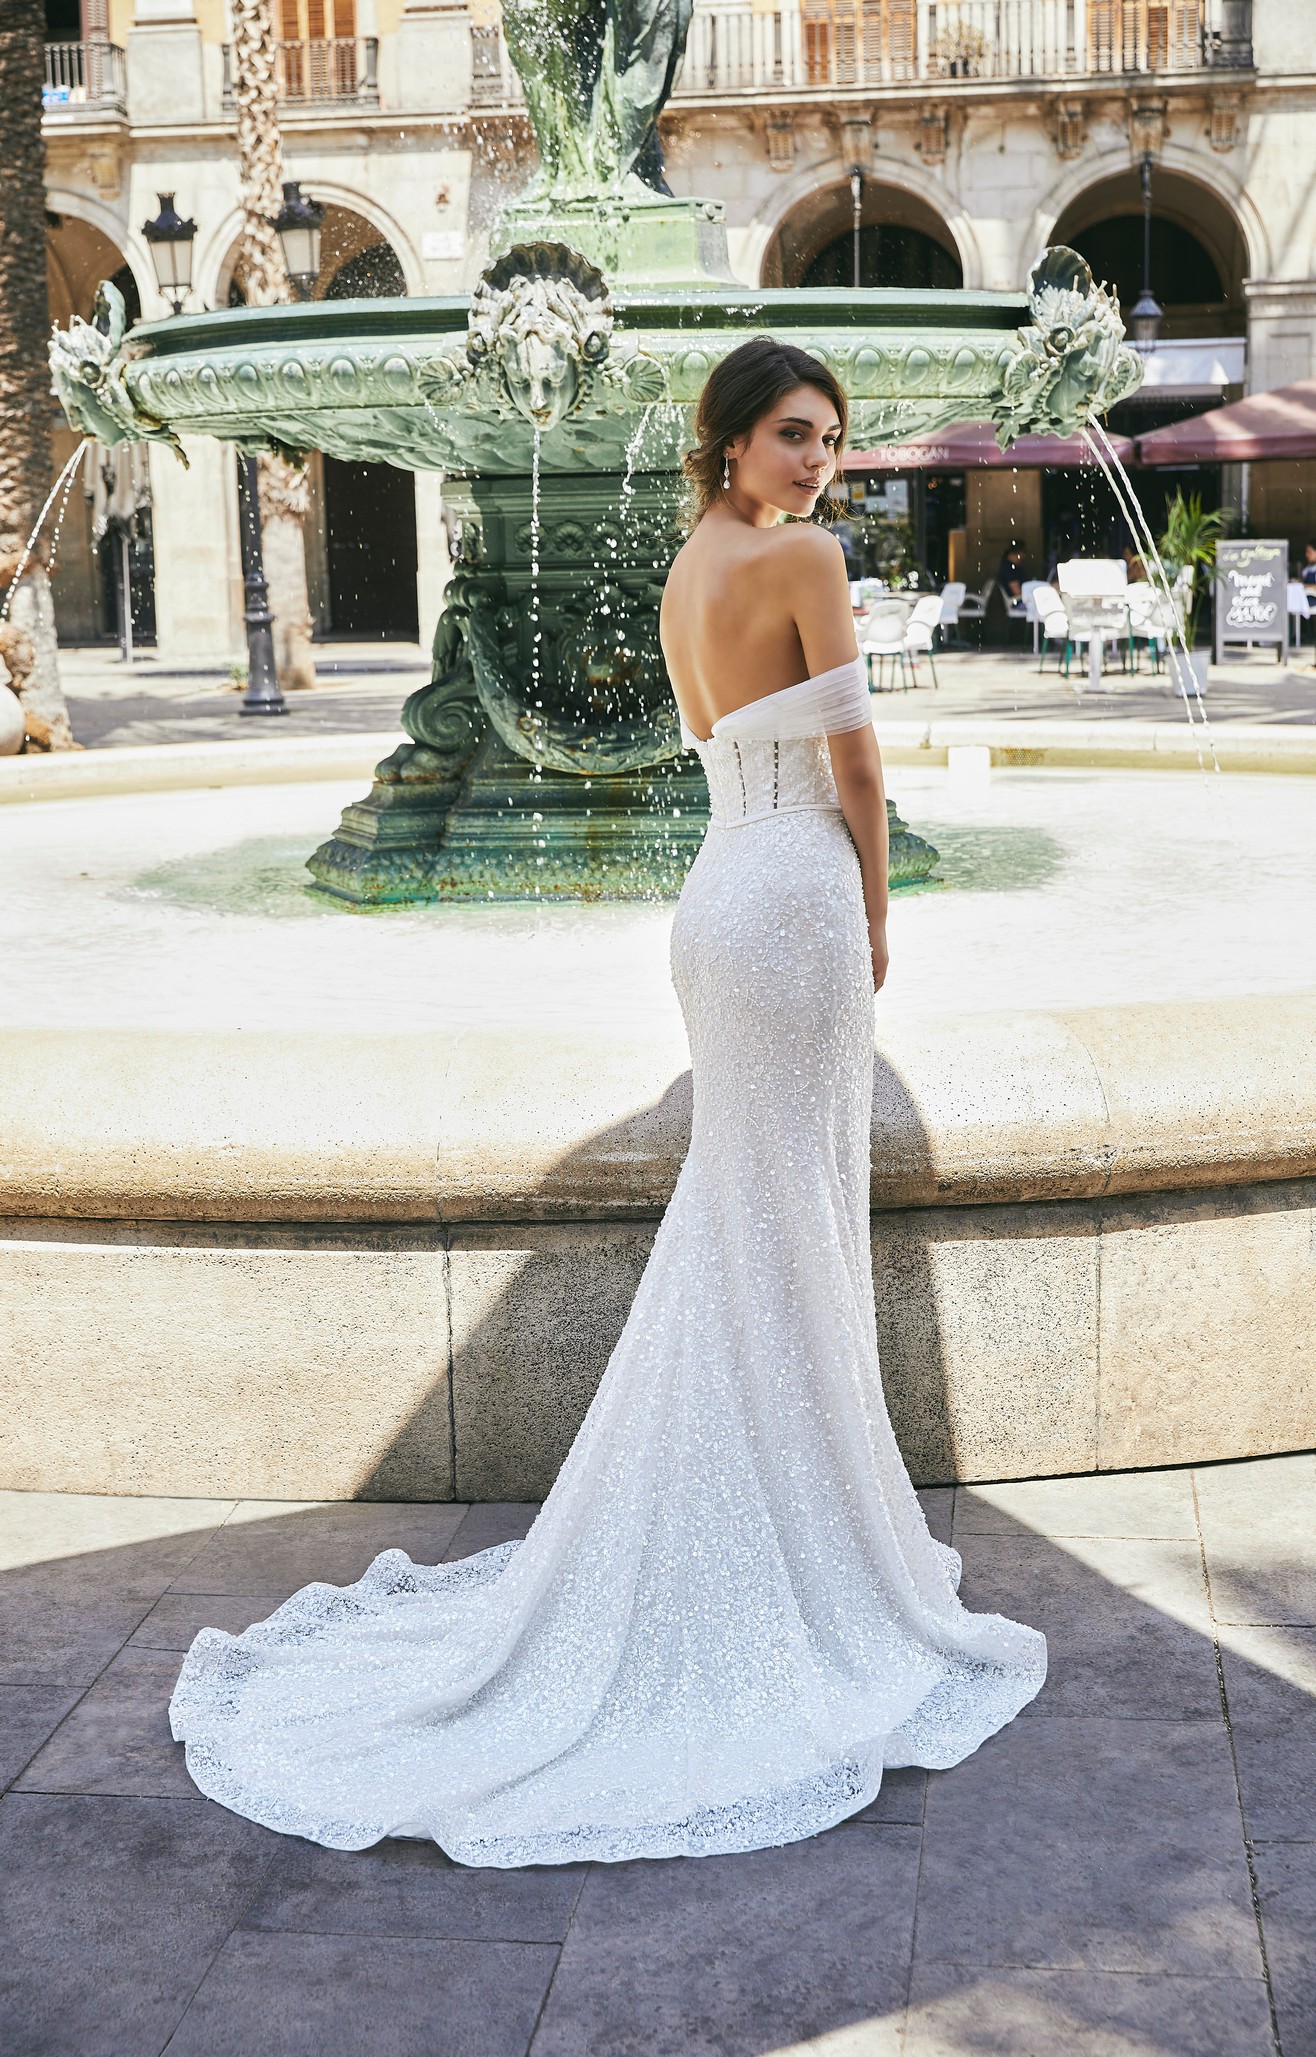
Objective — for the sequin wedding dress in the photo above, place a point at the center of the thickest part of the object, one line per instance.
(729, 1617)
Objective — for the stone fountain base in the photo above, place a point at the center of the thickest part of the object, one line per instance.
(507, 830)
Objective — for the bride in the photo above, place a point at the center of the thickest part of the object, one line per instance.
(729, 1617)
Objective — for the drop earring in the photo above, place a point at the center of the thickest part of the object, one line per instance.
(726, 473)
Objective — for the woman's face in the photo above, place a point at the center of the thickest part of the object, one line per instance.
(789, 455)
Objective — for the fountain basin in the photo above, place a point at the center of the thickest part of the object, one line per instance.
(312, 1203)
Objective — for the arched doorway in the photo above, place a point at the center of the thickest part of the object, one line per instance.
(902, 242)
(103, 582)
(1198, 256)
(367, 511)
(890, 254)
(1198, 265)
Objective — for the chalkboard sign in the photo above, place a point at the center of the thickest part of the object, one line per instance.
(1251, 594)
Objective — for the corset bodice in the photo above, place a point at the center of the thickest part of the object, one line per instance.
(771, 757)
(761, 776)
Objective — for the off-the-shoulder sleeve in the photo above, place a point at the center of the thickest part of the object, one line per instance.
(828, 705)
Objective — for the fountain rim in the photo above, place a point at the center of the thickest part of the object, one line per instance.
(784, 307)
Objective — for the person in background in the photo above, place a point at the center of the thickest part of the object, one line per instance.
(1012, 571)
(1308, 573)
(1136, 568)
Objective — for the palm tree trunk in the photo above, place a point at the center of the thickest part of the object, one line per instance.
(29, 650)
(283, 494)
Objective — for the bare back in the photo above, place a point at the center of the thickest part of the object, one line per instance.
(748, 611)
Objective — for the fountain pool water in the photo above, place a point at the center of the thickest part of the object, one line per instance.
(1061, 888)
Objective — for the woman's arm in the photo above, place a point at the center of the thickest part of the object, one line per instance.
(825, 621)
(857, 769)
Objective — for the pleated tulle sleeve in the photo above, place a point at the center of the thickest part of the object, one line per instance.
(828, 705)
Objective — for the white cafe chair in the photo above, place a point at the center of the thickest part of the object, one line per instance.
(1030, 613)
(882, 636)
(1052, 621)
(920, 633)
(952, 599)
(1300, 610)
(973, 607)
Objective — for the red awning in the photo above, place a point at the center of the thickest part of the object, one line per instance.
(1281, 423)
(971, 446)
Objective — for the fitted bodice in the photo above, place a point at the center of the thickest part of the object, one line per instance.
(771, 757)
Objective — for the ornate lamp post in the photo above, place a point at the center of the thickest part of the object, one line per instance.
(1146, 314)
(264, 695)
(856, 215)
(170, 240)
(298, 224)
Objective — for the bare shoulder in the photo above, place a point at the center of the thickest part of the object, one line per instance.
(799, 551)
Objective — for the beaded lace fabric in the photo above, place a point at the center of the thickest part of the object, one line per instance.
(729, 1616)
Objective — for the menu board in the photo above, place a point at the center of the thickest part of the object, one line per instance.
(1251, 594)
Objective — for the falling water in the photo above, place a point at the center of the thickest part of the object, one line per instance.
(1181, 662)
(536, 632)
(64, 481)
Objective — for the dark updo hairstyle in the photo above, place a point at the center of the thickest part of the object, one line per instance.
(737, 393)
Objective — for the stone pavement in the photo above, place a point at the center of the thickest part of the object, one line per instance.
(363, 687)
(1129, 1868)
(113, 706)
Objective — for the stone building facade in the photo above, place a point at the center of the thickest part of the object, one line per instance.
(981, 131)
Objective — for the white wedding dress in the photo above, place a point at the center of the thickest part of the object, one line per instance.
(729, 1617)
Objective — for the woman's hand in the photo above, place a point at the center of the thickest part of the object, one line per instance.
(880, 955)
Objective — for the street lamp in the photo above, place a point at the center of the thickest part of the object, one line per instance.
(170, 240)
(856, 215)
(298, 224)
(264, 695)
(1146, 313)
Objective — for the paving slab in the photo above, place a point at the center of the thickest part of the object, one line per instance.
(111, 1911)
(146, 1535)
(277, 1547)
(1286, 1885)
(342, 1996)
(1125, 1503)
(735, 1956)
(412, 1889)
(177, 1618)
(1258, 1523)
(1270, 1681)
(54, 1640)
(959, 2011)
(938, 1504)
(491, 1522)
(117, 1739)
(1101, 1845)
(28, 1714)
(901, 1799)
(1126, 1621)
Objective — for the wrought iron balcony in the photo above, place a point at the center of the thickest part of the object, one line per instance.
(84, 79)
(325, 71)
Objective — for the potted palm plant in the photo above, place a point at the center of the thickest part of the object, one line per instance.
(1188, 545)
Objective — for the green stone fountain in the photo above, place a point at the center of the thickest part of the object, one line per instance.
(545, 757)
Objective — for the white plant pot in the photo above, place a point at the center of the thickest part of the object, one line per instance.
(1189, 672)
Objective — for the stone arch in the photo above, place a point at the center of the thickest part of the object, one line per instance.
(353, 224)
(807, 211)
(92, 243)
(1216, 212)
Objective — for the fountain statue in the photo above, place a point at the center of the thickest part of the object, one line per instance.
(544, 757)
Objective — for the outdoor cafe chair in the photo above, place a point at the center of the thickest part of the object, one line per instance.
(1052, 621)
(952, 600)
(973, 607)
(1030, 613)
(882, 636)
(920, 633)
(1300, 610)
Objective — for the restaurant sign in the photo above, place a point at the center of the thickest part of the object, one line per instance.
(1251, 594)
